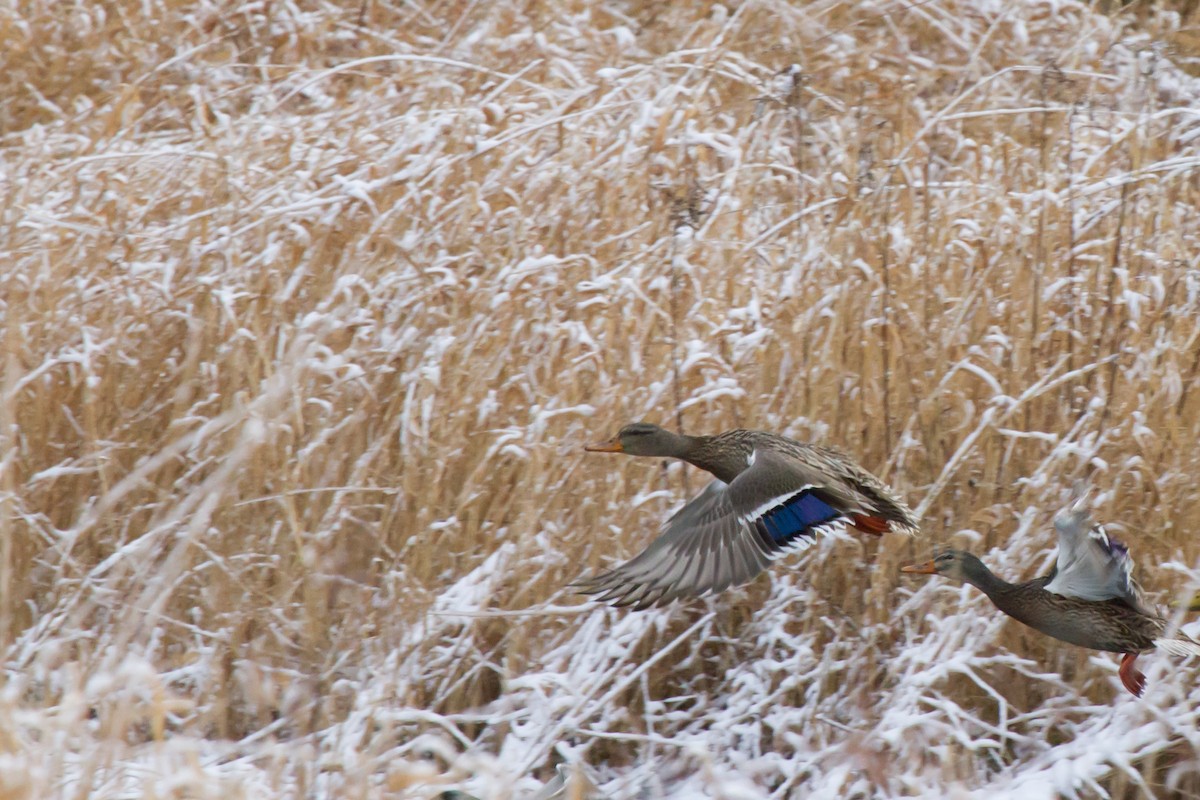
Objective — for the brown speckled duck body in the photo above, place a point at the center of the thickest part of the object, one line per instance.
(769, 493)
(1089, 599)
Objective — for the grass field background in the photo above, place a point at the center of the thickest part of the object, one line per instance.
(308, 309)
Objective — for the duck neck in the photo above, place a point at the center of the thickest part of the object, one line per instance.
(724, 457)
(988, 582)
(1022, 602)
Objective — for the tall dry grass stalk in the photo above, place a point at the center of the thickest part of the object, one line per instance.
(308, 309)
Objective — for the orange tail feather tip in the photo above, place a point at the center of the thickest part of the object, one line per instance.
(872, 525)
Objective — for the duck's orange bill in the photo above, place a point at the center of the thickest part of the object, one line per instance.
(613, 445)
(1192, 604)
(921, 569)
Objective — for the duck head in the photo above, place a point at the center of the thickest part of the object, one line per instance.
(641, 439)
(956, 565)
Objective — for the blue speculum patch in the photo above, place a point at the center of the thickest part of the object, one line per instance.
(797, 516)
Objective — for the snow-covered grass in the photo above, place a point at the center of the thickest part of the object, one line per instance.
(308, 309)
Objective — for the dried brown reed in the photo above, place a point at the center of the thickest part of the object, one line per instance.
(308, 309)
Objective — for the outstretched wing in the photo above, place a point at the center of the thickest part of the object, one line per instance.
(724, 537)
(1091, 564)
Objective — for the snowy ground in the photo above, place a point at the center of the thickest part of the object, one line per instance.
(309, 309)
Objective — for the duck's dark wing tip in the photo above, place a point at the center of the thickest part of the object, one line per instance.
(705, 548)
(593, 584)
(612, 589)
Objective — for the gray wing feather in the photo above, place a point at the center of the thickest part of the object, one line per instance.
(1091, 565)
(703, 548)
(844, 480)
(709, 545)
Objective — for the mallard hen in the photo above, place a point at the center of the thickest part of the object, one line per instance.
(770, 493)
(1089, 598)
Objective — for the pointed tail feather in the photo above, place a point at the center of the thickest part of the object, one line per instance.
(891, 512)
(1179, 646)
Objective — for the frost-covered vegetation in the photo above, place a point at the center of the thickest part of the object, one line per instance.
(308, 309)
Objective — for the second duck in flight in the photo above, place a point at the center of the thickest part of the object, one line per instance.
(1089, 598)
(770, 492)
